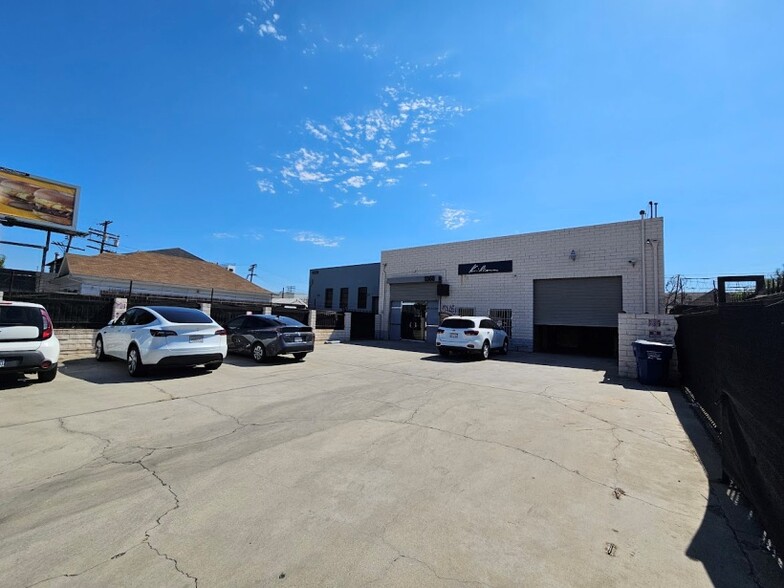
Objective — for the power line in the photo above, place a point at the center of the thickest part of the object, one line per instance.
(103, 238)
(251, 272)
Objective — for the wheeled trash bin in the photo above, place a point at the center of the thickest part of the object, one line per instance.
(653, 361)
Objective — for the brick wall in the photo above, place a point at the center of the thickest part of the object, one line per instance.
(75, 341)
(601, 250)
(651, 327)
(322, 335)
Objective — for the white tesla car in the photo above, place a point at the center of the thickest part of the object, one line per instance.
(471, 334)
(147, 336)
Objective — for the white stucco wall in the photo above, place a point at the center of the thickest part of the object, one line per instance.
(602, 250)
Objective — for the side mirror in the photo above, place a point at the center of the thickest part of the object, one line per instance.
(111, 323)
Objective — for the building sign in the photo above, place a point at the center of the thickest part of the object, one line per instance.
(37, 202)
(485, 267)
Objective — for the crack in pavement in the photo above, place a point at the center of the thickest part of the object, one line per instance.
(158, 521)
(539, 457)
(719, 511)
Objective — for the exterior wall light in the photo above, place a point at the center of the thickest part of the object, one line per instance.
(573, 255)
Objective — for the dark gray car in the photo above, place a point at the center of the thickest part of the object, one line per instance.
(265, 335)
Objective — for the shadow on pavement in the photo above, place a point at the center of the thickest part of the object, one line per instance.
(726, 514)
(247, 361)
(115, 372)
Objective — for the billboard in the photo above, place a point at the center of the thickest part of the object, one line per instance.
(37, 202)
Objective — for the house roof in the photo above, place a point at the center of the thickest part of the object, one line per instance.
(158, 268)
(176, 252)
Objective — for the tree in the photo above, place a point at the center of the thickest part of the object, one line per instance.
(2, 260)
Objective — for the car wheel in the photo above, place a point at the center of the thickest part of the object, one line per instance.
(505, 347)
(485, 349)
(135, 367)
(258, 352)
(213, 365)
(299, 356)
(99, 353)
(47, 375)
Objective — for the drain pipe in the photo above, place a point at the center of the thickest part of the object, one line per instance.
(642, 264)
(655, 249)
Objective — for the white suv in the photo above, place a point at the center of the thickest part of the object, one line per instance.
(27, 341)
(471, 334)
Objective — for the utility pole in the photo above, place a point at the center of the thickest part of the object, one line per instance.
(103, 238)
(251, 272)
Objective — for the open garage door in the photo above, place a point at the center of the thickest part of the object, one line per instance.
(577, 315)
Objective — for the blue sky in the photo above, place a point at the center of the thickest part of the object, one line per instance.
(297, 133)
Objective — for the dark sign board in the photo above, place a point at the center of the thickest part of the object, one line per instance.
(485, 267)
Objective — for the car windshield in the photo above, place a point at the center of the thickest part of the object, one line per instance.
(458, 323)
(175, 314)
(287, 321)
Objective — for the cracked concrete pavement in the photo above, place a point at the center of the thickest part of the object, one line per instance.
(365, 465)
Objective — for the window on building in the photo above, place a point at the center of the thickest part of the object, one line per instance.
(328, 298)
(343, 298)
(465, 311)
(503, 316)
(362, 297)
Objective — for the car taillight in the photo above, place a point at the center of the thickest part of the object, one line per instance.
(440, 331)
(471, 333)
(221, 332)
(162, 333)
(46, 332)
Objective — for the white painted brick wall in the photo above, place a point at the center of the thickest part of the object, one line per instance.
(75, 341)
(602, 250)
(652, 327)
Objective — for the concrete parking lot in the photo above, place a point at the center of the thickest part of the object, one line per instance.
(365, 465)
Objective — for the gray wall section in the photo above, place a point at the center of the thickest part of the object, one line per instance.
(348, 276)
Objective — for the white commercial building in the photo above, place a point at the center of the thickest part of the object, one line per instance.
(559, 291)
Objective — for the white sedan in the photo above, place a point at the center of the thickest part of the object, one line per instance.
(162, 336)
(471, 334)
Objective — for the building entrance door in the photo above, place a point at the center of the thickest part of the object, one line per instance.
(413, 323)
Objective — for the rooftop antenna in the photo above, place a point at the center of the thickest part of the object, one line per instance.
(251, 272)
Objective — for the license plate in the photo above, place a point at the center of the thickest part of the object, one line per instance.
(453, 335)
(196, 338)
(2, 363)
(297, 339)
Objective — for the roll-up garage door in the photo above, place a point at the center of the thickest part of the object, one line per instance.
(414, 292)
(586, 302)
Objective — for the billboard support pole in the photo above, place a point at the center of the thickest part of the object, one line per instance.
(46, 250)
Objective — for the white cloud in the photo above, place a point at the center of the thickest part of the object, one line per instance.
(337, 203)
(256, 236)
(454, 218)
(265, 186)
(281, 230)
(353, 149)
(316, 239)
(319, 131)
(355, 181)
(364, 201)
(224, 236)
(258, 168)
(268, 29)
(305, 166)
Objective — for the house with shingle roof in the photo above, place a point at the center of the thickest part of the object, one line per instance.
(166, 272)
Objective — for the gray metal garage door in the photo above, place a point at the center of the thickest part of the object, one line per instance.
(413, 292)
(584, 302)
